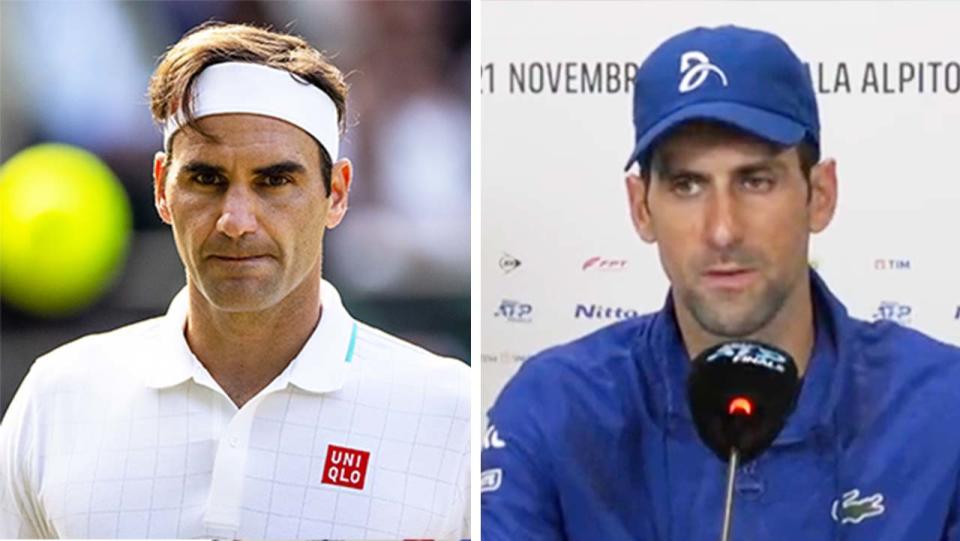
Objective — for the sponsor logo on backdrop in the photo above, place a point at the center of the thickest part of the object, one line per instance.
(924, 77)
(893, 311)
(598, 311)
(601, 263)
(515, 311)
(891, 264)
(508, 263)
(956, 314)
(695, 67)
(503, 357)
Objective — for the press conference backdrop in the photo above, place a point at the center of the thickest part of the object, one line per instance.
(560, 257)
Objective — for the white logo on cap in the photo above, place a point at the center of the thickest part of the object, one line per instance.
(695, 67)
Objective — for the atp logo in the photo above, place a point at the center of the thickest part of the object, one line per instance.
(893, 311)
(514, 311)
(695, 67)
(854, 509)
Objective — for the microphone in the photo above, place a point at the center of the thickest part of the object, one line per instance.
(741, 394)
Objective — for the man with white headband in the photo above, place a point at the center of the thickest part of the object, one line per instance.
(257, 406)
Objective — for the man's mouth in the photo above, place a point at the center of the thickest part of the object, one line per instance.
(238, 259)
(724, 277)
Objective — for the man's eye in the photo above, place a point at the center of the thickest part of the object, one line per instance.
(685, 186)
(207, 179)
(276, 180)
(757, 183)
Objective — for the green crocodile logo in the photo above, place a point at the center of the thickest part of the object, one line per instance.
(854, 509)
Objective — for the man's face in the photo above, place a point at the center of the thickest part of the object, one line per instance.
(731, 219)
(248, 210)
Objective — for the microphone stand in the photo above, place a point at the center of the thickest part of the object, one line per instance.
(728, 507)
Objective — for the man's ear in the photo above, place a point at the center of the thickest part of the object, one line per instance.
(639, 211)
(823, 194)
(159, 187)
(340, 177)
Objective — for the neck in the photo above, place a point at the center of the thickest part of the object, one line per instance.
(791, 329)
(245, 351)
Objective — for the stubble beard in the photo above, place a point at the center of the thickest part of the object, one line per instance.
(727, 319)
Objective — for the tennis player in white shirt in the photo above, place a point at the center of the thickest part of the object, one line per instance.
(257, 406)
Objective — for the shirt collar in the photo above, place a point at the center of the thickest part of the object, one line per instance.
(320, 366)
(822, 384)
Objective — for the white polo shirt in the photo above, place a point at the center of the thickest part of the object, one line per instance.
(125, 434)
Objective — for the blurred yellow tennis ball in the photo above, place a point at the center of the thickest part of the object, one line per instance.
(65, 224)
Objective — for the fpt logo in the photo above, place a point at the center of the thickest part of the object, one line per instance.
(597, 311)
(515, 311)
(891, 264)
(893, 311)
(603, 264)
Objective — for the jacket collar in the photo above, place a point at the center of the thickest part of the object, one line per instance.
(822, 385)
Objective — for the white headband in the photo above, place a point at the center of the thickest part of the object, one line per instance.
(242, 87)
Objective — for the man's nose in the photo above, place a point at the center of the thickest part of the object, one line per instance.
(239, 214)
(723, 222)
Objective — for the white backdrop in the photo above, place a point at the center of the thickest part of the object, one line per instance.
(559, 254)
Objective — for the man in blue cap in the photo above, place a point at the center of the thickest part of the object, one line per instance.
(595, 440)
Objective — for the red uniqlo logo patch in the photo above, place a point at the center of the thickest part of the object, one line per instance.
(345, 467)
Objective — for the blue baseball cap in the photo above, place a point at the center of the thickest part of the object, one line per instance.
(747, 78)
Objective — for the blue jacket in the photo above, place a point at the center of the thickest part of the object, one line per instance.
(593, 440)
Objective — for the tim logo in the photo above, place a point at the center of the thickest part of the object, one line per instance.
(893, 311)
(514, 311)
(596, 311)
(891, 264)
(696, 67)
(600, 263)
(345, 467)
